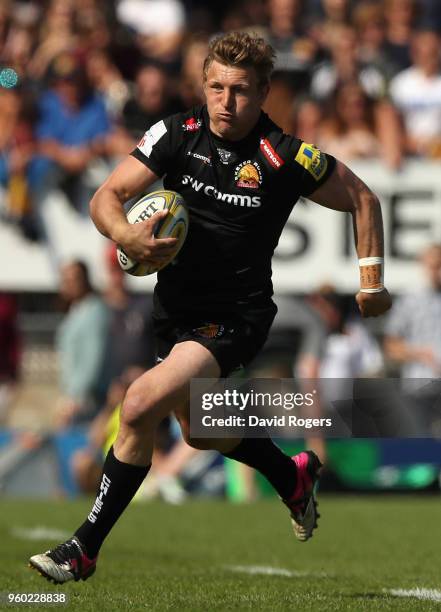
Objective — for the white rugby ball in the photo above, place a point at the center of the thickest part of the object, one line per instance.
(175, 225)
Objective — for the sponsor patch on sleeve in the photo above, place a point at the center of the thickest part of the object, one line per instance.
(312, 159)
(274, 159)
(151, 137)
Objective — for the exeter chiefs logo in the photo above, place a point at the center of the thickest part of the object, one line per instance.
(209, 330)
(248, 174)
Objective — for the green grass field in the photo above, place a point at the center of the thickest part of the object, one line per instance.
(198, 557)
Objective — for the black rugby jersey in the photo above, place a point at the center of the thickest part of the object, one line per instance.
(239, 196)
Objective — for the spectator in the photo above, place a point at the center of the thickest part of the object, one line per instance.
(152, 100)
(430, 14)
(280, 101)
(235, 19)
(370, 24)
(18, 49)
(87, 463)
(17, 147)
(159, 25)
(413, 341)
(57, 35)
(92, 26)
(71, 131)
(5, 17)
(170, 456)
(190, 87)
(401, 18)
(413, 331)
(417, 93)
(308, 117)
(106, 79)
(10, 354)
(295, 342)
(130, 335)
(245, 14)
(295, 51)
(345, 67)
(324, 17)
(350, 350)
(81, 342)
(358, 128)
(336, 11)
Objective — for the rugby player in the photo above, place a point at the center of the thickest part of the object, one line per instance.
(240, 177)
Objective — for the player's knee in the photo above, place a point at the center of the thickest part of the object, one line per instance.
(139, 408)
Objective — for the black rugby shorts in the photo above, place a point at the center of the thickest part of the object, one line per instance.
(234, 340)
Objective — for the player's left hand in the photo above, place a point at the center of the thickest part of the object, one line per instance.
(373, 304)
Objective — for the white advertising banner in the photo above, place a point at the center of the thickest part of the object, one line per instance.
(316, 246)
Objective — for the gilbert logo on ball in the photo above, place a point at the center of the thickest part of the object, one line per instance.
(174, 225)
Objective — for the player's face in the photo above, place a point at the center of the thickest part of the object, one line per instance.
(234, 99)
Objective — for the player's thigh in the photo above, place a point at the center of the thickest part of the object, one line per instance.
(166, 387)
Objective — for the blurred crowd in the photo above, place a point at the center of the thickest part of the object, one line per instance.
(81, 81)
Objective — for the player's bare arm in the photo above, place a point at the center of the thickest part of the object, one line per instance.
(129, 179)
(345, 192)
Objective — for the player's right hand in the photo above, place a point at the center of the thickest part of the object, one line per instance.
(139, 242)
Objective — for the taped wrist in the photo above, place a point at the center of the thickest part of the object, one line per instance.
(371, 274)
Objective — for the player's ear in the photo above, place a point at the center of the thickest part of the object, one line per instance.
(264, 91)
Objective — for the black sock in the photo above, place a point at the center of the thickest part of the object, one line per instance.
(119, 483)
(263, 455)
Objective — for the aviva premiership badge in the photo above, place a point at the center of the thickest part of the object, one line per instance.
(312, 159)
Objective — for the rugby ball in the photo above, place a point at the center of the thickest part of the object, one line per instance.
(174, 225)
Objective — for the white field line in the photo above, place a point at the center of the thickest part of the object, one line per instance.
(426, 594)
(267, 570)
(40, 532)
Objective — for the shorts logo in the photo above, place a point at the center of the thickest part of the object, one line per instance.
(191, 125)
(312, 159)
(209, 330)
(248, 174)
(275, 160)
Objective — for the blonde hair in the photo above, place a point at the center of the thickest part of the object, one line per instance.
(243, 50)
